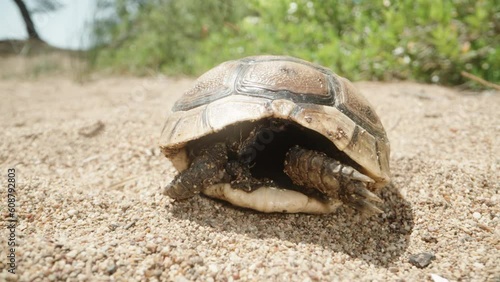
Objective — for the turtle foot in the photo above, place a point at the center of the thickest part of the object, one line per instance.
(361, 199)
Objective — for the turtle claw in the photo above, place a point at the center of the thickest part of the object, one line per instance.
(367, 194)
(366, 207)
(356, 175)
(361, 199)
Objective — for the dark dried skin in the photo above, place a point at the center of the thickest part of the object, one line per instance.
(315, 170)
(211, 166)
(241, 177)
(206, 169)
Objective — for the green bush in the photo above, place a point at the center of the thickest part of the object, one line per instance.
(161, 35)
(423, 40)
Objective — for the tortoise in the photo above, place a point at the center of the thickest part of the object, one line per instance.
(277, 134)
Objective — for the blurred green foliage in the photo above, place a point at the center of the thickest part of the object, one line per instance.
(423, 40)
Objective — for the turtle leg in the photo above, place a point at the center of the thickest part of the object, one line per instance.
(206, 169)
(316, 170)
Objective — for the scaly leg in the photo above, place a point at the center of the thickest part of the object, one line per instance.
(206, 169)
(316, 170)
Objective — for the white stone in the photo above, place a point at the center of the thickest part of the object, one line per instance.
(72, 212)
(437, 278)
(213, 268)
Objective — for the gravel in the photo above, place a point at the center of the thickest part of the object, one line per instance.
(422, 260)
(90, 207)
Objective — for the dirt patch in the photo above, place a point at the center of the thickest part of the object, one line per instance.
(90, 205)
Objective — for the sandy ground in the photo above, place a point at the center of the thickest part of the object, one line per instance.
(89, 203)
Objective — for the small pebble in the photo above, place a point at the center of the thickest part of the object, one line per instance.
(476, 215)
(81, 277)
(421, 260)
(213, 268)
(432, 228)
(151, 247)
(181, 278)
(437, 278)
(393, 269)
(429, 238)
(92, 129)
(110, 269)
(10, 277)
(478, 265)
(129, 225)
(72, 254)
(72, 212)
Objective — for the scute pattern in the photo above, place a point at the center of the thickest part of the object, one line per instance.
(212, 85)
(362, 111)
(285, 76)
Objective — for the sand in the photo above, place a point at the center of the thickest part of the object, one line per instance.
(89, 204)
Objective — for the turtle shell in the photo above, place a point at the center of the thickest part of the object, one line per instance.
(260, 87)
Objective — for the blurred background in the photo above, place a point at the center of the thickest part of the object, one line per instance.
(453, 42)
